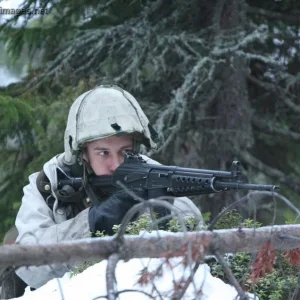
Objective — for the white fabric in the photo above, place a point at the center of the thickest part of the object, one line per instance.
(37, 224)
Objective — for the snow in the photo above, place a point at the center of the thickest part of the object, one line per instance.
(6, 77)
(91, 283)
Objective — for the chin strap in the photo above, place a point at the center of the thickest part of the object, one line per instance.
(89, 191)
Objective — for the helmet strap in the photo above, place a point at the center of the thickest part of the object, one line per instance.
(89, 191)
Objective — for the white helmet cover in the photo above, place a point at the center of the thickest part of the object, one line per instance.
(102, 112)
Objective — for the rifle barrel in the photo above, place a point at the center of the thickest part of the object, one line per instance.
(219, 185)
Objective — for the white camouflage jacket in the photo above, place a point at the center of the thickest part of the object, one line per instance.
(38, 224)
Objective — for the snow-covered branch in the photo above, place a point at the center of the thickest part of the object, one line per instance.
(153, 246)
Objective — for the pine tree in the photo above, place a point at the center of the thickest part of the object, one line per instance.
(218, 78)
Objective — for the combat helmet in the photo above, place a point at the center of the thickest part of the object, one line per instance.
(105, 111)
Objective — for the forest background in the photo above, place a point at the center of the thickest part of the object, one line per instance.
(218, 79)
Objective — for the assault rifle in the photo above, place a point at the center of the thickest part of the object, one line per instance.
(161, 180)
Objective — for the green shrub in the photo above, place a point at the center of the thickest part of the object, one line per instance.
(277, 285)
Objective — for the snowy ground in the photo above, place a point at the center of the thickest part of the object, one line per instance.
(91, 284)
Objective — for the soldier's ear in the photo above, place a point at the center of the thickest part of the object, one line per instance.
(85, 155)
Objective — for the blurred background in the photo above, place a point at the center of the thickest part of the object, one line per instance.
(220, 81)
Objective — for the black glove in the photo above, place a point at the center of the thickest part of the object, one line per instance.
(112, 210)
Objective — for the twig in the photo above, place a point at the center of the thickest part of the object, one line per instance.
(111, 276)
(230, 276)
(127, 291)
(49, 265)
(141, 206)
(189, 280)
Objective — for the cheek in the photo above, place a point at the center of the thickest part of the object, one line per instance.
(98, 165)
(121, 157)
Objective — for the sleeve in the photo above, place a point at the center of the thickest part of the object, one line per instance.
(188, 209)
(36, 225)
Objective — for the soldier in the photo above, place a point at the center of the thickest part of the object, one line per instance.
(102, 125)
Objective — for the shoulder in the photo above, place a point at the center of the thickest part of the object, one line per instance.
(50, 167)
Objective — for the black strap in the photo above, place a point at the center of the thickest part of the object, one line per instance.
(43, 184)
(66, 196)
(44, 187)
(94, 199)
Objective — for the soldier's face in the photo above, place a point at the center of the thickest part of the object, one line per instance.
(105, 155)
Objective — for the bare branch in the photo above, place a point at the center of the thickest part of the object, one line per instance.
(230, 276)
(189, 280)
(127, 291)
(111, 276)
(225, 241)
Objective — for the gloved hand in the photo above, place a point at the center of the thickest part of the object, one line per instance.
(112, 210)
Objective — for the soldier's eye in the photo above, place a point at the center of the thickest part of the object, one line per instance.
(103, 153)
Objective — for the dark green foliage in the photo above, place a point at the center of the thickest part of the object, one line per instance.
(278, 285)
(143, 223)
(82, 267)
(231, 219)
(32, 130)
(219, 80)
(281, 284)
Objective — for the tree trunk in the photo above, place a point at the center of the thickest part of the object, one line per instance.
(232, 129)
